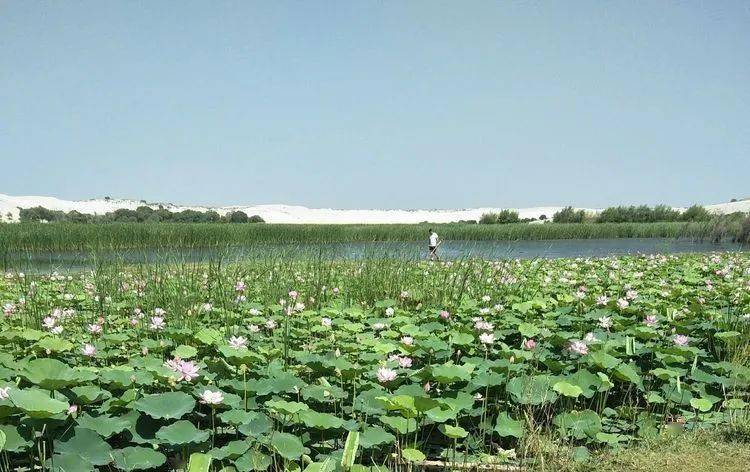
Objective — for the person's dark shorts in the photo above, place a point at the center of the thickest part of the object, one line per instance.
(431, 248)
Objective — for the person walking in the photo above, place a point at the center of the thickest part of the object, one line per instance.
(434, 242)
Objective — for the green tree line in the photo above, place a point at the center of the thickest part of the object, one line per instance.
(142, 214)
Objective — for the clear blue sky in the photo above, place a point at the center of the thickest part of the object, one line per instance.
(387, 104)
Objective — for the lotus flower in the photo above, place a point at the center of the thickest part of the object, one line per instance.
(444, 315)
(270, 324)
(95, 328)
(487, 338)
(157, 323)
(529, 344)
(622, 303)
(386, 375)
(293, 294)
(326, 322)
(389, 311)
(253, 328)
(405, 362)
(4, 392)
(680, 340)
(88, 350)
(605, 322)
(407, 341)
(602, 300)
(650, 321)
(578, 347)
(212, 398)
(238, 342)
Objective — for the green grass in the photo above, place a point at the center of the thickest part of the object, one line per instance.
(72, 237)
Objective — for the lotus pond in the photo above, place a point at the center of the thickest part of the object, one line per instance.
(367, 365)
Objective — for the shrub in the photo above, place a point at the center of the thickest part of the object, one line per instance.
(569, 215)
(237, 217)
(695, 213)
(256, 219)
(504, 217)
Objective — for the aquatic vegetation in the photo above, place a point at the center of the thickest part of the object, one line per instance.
(21, 237)
(348, 365)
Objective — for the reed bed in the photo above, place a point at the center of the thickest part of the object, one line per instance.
(117, 236)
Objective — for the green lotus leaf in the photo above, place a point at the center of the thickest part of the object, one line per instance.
(735, 404)
(50, 374)
(181, 432)
(287, 445)
(453, 432)
(375, 436)
(87, 394)
(209, 336)
(286, 408)
(566, 389)
(413, 455)
(232, 450)
(185, 352)
(253, 460)
(138, 458)
(400, 424)
(236, 417)
(17, 438)
(603, 360)
(104, 425)
(260, 424)
(629, 373)
(528, 330)
(66, 462)
(449, 373)
(506, 426)
(54, 344)
(199, 462)
(37, 403)
(88, 445)
(534, 390)
(313, 419)
(579, 424)
(701, 404)
(169, 405)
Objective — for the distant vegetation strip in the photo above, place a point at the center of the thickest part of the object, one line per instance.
(142, 214)
(81, 237)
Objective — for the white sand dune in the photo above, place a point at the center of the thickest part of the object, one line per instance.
(10, 206)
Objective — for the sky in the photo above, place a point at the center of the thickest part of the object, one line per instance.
(377, 104)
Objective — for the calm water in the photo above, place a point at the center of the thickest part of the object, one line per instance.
(71, 261)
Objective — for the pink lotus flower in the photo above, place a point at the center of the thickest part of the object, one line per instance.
(89, 350)
(386, 375)
(631, 295)
(212, 398)
(270, 324)
(622, 303)
(407, 341)
(680, 340)
(335, 290)
(650, 321)
(605, 322)
(185, 370)
(239, 286)
(578, 347)
(444, 315)
(404, 362)
(238, 342)
(529, 344)
(72, 409)
(602, 300)
(487, 338)
(157, 323)
(95, 328)
(293, 294)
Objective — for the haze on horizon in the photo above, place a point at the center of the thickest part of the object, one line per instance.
(377, 105)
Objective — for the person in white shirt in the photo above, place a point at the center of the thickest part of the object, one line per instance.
(433, 245)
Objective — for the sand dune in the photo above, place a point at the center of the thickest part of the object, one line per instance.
(10, 205)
